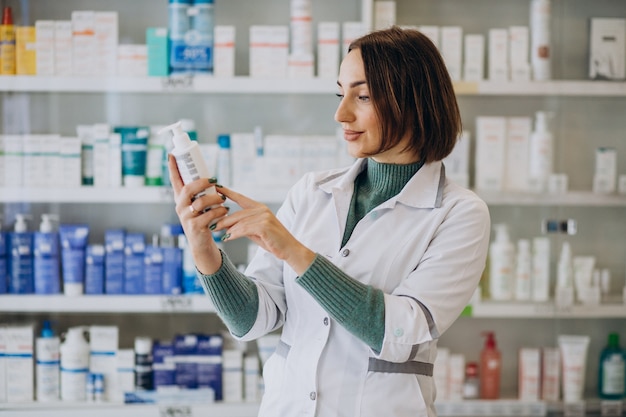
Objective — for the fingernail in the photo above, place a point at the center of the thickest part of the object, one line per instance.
(226, 236)
(223, 197)
(212, 180)
(227, 208)
(213, 226)
(218, 185)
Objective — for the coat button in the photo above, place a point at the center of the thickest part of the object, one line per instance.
(325, 321)
(345, 252)
(398, 332)
(312, 395)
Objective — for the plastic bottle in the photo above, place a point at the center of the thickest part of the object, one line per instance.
(541, 153)
(564, 270)
(144, 374)
(471, 385)
(501, 259)
(47, 372)
(178, 26)
(4, 285)
(490, 369)
(523, 269)
(7, 43)
(612, 370)
(47, 265)
(540, 47)
(191, 165)
(74, 365)
(21, 261)
(202, 26)
(223, 159)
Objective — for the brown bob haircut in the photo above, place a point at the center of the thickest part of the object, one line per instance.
(411, 91)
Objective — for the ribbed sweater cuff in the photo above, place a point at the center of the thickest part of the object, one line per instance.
(358, 307)
(234, 296)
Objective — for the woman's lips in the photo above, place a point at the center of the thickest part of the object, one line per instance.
(351, 135)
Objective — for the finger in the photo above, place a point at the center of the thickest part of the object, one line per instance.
(175, 179)
(243, 201)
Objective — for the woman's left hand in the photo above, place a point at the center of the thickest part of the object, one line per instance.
(257, 222)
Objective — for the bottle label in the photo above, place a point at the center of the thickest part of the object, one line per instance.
(613, 373)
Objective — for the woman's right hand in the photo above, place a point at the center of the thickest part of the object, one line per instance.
(195, 220)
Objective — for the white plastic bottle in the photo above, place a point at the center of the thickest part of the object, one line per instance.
(523, 271)
(541, 153)
(74, 365)
(188, 156)
(223, 160)
(564, 292)
(47, 365)
(540, 45)
(501, 259)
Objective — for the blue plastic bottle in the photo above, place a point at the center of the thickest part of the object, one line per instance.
(202, 22)
(612, 370)
(21, 259)
(4, 285)
(178, 26)
(47, 266)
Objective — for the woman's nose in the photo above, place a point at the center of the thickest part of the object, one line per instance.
(343, 113)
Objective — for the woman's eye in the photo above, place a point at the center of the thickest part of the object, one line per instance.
(340, 96)
(364, 98)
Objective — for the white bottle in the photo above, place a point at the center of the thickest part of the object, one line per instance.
(47, 365)
(523, 270)
(191, 165)
(223, 160)
(501, 259)
(564, 271)
(540, 47)
(74, 365)
(541, 154)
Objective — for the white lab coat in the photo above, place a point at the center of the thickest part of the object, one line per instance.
(425, 249)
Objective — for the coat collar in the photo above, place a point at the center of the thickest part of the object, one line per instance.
(424, 189)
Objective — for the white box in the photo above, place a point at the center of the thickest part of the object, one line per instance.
(456, 376)
(605, 175)
(301, 27)
(33, 161)
(106, 41)
(14, 160)
(19, 364)
(490, 153)
(550, 374)
(101, 156)
(474, 58)
(349, 32)
(83, 42)
(519, 65)
(607, 55)
(317, 153)
(279, 51)
(457, 163)
(432, 32)
(281, 160)
(63, 48)
(3, 183)
(328, 50)
(540, 278)
(300, 66)
(529, 374)
(244, 157)
(44, 30)
(440, 373)
(452, 50)
(70, 153)
(50, 146)
(224, 51)
(3, 365)
(103, 345)
(232, 376)
(517, 147)
(115, 160)
(269, 51)
(498, 55)
(132, 60)
(384, 14)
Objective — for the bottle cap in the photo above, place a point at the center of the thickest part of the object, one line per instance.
(46, 329)
(614, 339)
(223, 141)
(490, 342)
(7, 16)
(180, 138)
(20, 223)
(46, 225)
(143, 345)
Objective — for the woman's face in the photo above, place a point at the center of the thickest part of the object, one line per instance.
(358, 119)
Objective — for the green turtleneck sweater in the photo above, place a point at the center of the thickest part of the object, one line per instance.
(358, 307)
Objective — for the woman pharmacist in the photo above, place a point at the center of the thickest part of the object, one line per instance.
(365, 267)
